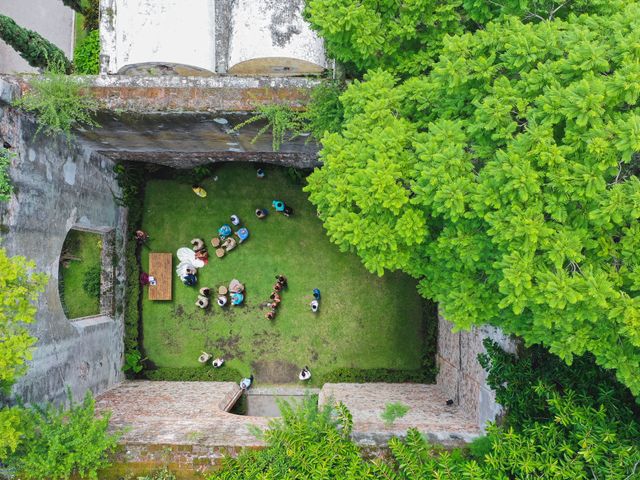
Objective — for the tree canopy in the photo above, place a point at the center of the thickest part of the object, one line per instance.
(407, 37)
(19, 289)
(506, 181)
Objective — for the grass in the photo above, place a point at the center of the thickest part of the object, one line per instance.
(364, 321)
(86, 247)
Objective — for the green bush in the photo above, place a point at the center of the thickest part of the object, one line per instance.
(281, 119)
(131, 180)
(57, 443)
(91, 12)
(34, 48)
(6, 188)
(202, 373)
(87, 54)
(393, 411)
(367, 375)
(91, 280)
(59, 103)
(324, 112)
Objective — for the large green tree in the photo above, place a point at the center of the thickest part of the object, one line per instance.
(33, 47)
(506, 180)
(407, 36)
(19, 289)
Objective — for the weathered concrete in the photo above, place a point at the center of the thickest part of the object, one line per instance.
(178, 413)
(50, 18)
(461, 377)
(58, 186)
(271, 38)
(158, 32)
(187, 140)
(184, 94)
(201, 37)
(429, 413)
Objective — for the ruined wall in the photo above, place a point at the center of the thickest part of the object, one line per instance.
(58, 186)
(460, 376)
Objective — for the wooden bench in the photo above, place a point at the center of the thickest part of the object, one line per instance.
(160, 268)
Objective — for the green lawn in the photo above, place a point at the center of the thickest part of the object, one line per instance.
(86, 247)
(364, 321)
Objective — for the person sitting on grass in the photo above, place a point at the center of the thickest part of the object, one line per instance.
(305, 374)
(282, 280)
(141, 237)
(278, 205)
(261, 213)
(218, 362)
(245, 383)
(270, 315)
(288, 211)
(316, 294)
(235, 220)
(222, 300)
(315, 305)
(204, 357)
(237, 298)
(190, 279)
(242, 234)
(277, 287)
(202, 302)
(275, 297)
(198, 190)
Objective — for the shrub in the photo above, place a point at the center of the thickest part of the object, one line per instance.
(57, 443)
(280, 119)
(202, 373)
(91, 280)
(393, 411)
(91, 12)
(161, 474)
(324, 112)
(131, 179)
(6, 188)
(87, 54)
(59, 103)
(367, 375)
(35, 49)
(133, 362)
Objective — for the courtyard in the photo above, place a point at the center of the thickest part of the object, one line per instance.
(364, 321)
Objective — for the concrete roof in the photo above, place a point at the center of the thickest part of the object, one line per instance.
(163, 31)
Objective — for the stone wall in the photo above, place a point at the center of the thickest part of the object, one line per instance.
(460, 376)
(58, 187)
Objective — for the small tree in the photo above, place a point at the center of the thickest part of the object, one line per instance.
(280, 119)
(33, 47)
(19, 288)
(59, 103)
(57, 443)
(392, 412)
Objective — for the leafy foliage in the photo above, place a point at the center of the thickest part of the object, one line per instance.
(203, 373)
(506, 181)
(35, 49)
(57, 443)
(393, 411)
(59, 102)
(307, 442)
(133, 362)
(161, 474)
(6, 188)
(20, 287)
(281, 119)
(387, 375)
(91, 280)
(407, 37)
(87, 54)
(324, 112)
(10, 430)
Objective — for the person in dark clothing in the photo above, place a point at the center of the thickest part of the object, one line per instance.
(288, 211)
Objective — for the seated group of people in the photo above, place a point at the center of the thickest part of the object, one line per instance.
(236, 294)
(274, 298)
(217, 362)
(225, 241)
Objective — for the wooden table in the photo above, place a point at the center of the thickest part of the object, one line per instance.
(160, 268)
